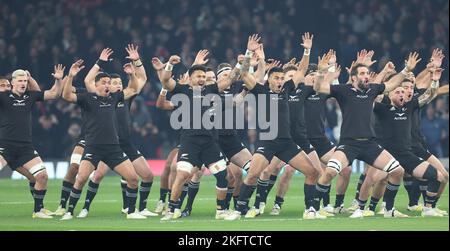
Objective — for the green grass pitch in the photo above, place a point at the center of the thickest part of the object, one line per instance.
(16, 207)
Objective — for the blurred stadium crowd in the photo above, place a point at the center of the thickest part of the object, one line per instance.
(35, 35)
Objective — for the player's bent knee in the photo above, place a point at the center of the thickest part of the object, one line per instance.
(184, 166)
(75, 159)
(39, 171)
(217, 167)
(334, 165)
(393, 167)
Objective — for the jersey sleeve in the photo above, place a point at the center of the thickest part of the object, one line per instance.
(289, 86)
(336, 90)
(179, 88)
(379, 88)
(308, 90)
(214, 89)
(259, 89)
(37, 95)
(81, 98)
(119, 97)
(414, 103)
(378, 108)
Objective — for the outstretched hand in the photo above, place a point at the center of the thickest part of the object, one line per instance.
(76, 68)
(132, 51)
(307, 40)
(58, 72)
(106, 53)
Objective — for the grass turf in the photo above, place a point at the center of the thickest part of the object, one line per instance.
(16, 207)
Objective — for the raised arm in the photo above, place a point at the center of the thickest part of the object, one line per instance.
(55, 91)
(89, 80)
(388, 69)
(133, 55)
(442, 90)
(260, 72)
(304, 62)
(423, 79)
(324, 78)
(32, 83)
(431, 92)
(166, 79)
(252, 46)
(224, 83)
(396, 81)
(201, 58)
(133, 82)
(68, 88)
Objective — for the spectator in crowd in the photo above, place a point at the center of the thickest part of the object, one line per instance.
(434, 130)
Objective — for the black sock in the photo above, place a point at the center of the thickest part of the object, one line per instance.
(423, 186)
(163, 194)
(90, 195)
(261, 189)
(75, 195)
(244, 196)
(272, 181)
(362, 177)
(221, 204)
(193, 188)
(123, 185)
(415, 192)
(431, 200)
(326, 198)
(322, 191)
(408, 184)
(144, 191)
(31, 185)
(362, 204)
(389, 195)
(373, 203)
(312, 196)
(65, 193)
(279, 201)
(184, 193)
(339, 200)
(230, 192)
(38, 196)
(235, 200)
(173, 205)
(131, 199)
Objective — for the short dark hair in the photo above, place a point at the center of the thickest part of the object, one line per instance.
(355, 68)
(101, 75)
(115, 75)
(290, 68)
(209, 69)
(275, 70)
(196, 68)
(223, 67)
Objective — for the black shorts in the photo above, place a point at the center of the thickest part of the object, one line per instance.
(230, 145)
(421, 151)
(364, 150)
(81, 143)
(111, 155)
(199, 150)
(304, 144)
(130, 150)
(284, 149)
(407, 160)
(322, 145)
(17, 154)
